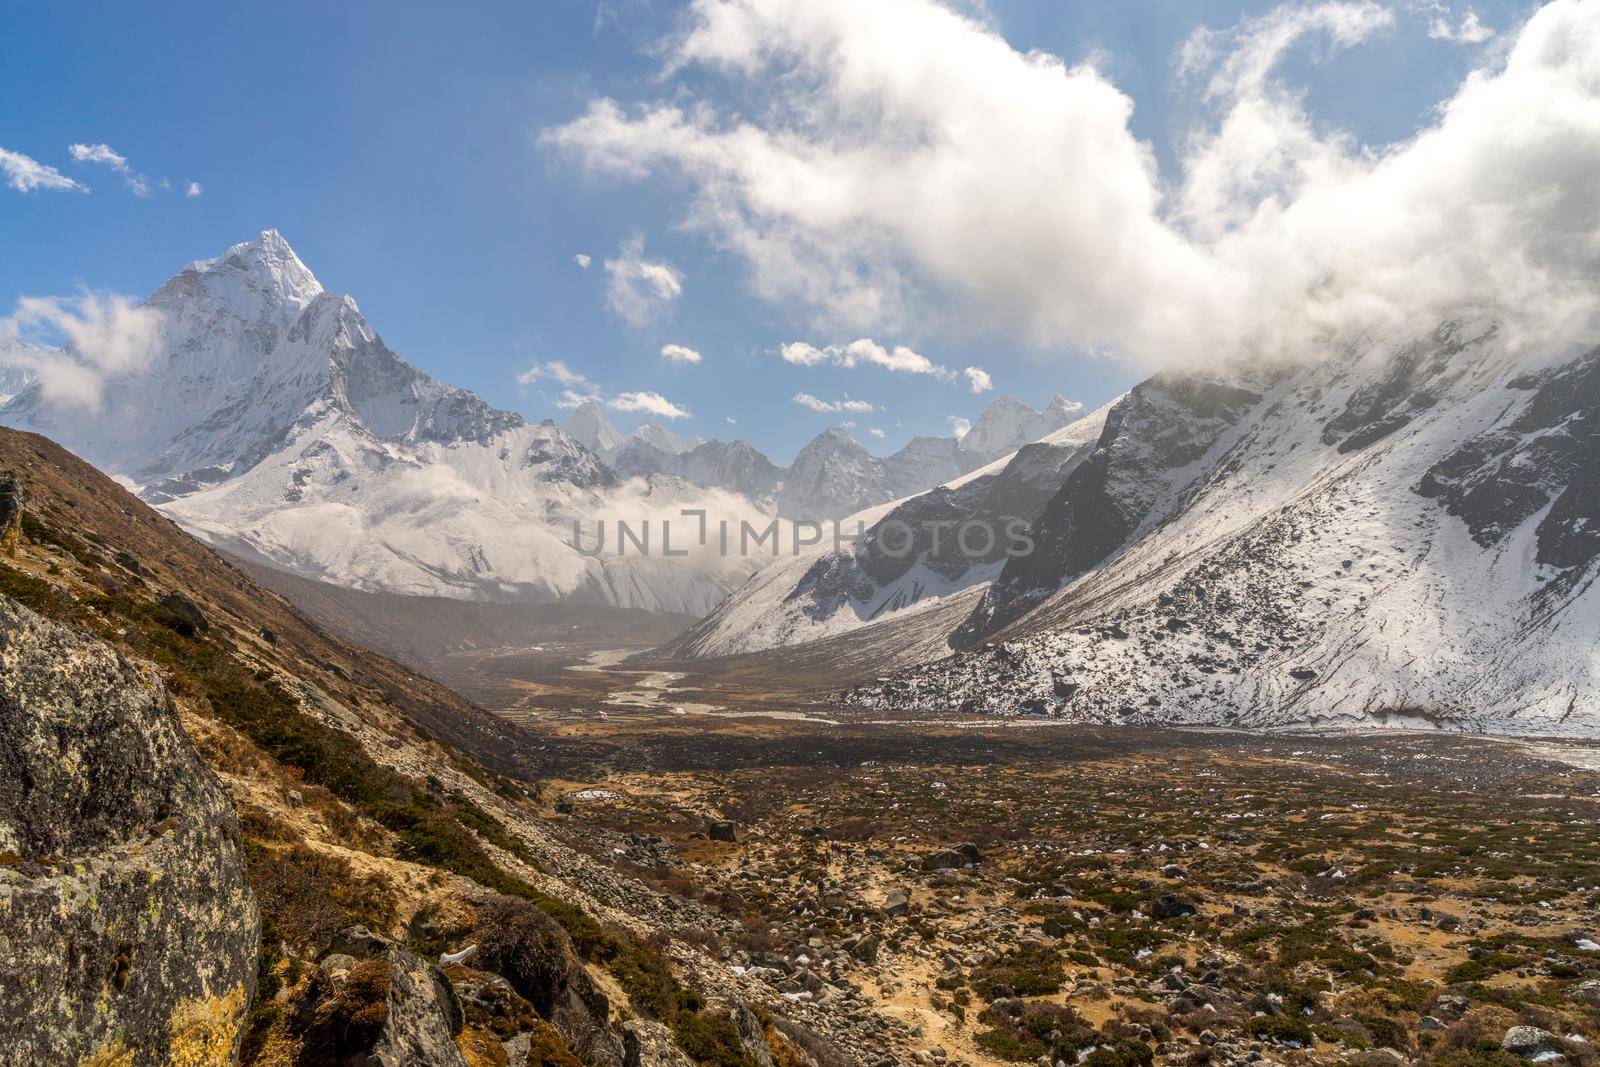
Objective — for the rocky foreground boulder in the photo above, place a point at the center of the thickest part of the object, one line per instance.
(127, 933)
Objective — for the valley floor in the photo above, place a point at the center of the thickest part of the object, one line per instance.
(986, 894)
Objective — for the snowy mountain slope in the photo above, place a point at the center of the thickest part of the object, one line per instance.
(275, 422)
(14, 379)
(883, 576)
(1400, 533)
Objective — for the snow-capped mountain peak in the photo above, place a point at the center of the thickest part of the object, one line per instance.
(1007, 424)
(254, 279)
(653, 433)
(588, 424)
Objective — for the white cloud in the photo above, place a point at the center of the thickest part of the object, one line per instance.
(639, 290)
(832, 407)
(978, 379)
(193, 190)
(651, 403)
(730, 420)
(1469, 30)
(106, 156)
(98, 153)
(958, 426)
(894, 162)
(582, 260)
(874, 431)
(865, 350)
(679, 354)
(1445, 25)
(571, 398)
(25, 174)
(73, 344)
(554, 370)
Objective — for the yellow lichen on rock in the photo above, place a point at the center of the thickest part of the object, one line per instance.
(206, 1033)
(114, 1054)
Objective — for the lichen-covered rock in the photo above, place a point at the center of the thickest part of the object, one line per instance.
(373, 1002)
(127, 933)
(530, 950)
(752, 1037)
(649, 1044)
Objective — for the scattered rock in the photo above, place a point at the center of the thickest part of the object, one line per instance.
(128, 562)
(866, 949)
(954, 858)
(1529, 1041)
(1172, 906)
(721, 830)
(897, 902)
(186, 609)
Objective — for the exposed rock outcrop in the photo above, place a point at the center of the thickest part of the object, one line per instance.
(11, 503)
(375, 1001)
(126, 929)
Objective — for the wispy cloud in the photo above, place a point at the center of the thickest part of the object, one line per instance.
(679, 354)
(874, 431)
(639, 290)
(865, 351)
(582, 260)
(106, 156)
(193, 190)
(72, 344)
(832, 407)
(25, 174)
(959, 426)
(650, 403)
(978, 379)
(554, 370)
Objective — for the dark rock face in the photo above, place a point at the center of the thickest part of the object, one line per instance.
(11, 503)
(722, 830)
(949, 531)
(1549, 451)
(1157, 431)
(1412, 385)
(126, 927)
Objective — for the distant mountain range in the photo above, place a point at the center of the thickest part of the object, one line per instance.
(1401, 531)
(274, 422)
(832, 476)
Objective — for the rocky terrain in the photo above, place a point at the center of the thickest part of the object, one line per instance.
(1122, 897)
(627, 869)
(414, 905)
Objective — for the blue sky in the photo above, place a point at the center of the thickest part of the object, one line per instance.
(398, 147)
